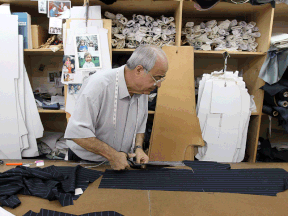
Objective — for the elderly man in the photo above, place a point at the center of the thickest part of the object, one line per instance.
(110, 116)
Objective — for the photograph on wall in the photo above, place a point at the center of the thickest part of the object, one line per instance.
(55, 25)
(68, 77)
(88, 53)
(59, 9)
(68, 64)
(51, 78)
(74, 88)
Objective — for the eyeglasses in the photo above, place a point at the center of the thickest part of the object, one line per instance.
(157, 81)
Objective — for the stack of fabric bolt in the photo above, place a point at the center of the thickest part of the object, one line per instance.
(141, 30)
(276, 100)
(223, 35)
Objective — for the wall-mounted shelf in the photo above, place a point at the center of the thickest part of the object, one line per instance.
(50, 111)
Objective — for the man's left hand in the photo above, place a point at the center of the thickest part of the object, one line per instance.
(141, 157)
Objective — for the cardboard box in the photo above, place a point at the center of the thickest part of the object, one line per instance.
(39, 36)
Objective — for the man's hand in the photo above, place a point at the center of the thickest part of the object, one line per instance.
(141, 157)
(119, 161)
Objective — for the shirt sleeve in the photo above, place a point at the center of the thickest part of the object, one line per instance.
(143, 121)
(82, 122)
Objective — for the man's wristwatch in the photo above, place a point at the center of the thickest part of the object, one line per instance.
(137, 146)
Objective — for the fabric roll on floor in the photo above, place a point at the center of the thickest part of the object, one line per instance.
(269, 110)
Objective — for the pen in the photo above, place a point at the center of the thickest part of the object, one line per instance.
(14, 164)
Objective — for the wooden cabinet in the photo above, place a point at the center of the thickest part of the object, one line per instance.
(204, 61)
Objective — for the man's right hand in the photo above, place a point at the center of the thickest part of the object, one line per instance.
(119, 161)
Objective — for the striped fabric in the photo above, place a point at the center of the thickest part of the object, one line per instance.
(206, 165)
(52, 183)
(45, 212)
(244, 181)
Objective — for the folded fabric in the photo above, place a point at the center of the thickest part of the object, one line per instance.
(45, 212)
(52, 183)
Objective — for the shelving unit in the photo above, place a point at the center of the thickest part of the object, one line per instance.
(204, 61)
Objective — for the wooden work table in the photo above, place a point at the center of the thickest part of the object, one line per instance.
(159, 203)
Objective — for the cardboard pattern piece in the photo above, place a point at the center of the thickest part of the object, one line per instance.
(176, 126)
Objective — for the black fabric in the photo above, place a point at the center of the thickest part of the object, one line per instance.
(72, 156)
(152, 104)
(206, 165)
(244, 181)
(45, 212)
(52, 183)
(148, 131)
(206, 4)
(268, 154)
(260, 2)
(108, 2)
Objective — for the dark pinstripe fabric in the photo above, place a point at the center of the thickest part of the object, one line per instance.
(244, 181)
(52, 183)
(45, 212)
(206, 165)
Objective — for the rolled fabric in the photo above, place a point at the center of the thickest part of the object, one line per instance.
(256, 34)
(243, 46)
(197, 28)
(156, 30)
(248, 31)
(140, 17)
(233, 23)
(126, 31)
(149, 25)
(236, 27)
(215, 30)
(130, 23)
(114, 42)
(119, 16)
(109, 15)
(254, 45)
(142, 22)
(246, 36)
(160, 22)
(282, 103)
(197, 34)
(120, 36)
(170, 19)
(130, 45)
(166, 32)
(202, 25)
(211, 23)
(221, 31)
(137, 25)
(164, 37)
(206, 47)
(224, 25)
(243, 24)
(230, 38)
(203, 38)
(251, 40)
(143, 29)
(134, 17)
(151, 34)
(155, 23)
(251, 25)
(255, 29)
(114, 30)
(269, 110)
(165, 20)
(149, 19)
(123, 20)
(283, 94)
(208, 29)
(121, 44)
(189, 24)
(114, 22)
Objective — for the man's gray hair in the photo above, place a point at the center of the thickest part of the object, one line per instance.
(145, 55)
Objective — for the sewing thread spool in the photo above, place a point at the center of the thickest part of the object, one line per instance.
(282, 103)
(275, 113)
(285, 94)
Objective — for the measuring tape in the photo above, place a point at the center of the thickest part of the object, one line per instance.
(115, 113)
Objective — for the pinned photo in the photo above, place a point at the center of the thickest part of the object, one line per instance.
(88, 53)
(68, 64)
(51, 77)
(68, 77)
(74, 88)
(59, 9)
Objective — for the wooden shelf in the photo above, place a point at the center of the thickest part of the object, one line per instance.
(233, 54)
(50, 111)
(151, 112)
(42, 52)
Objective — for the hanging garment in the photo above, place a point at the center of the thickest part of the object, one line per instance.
(244, 181)
(223, 109)
(274, 66)
(52, 183)
(45, 212)
(260, 2)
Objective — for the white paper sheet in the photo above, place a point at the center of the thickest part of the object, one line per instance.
(94, 12)
(5, 9)
(55, 25)
(9, 65)
(42, 6)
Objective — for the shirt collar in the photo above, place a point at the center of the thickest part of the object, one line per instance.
(123, 91)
